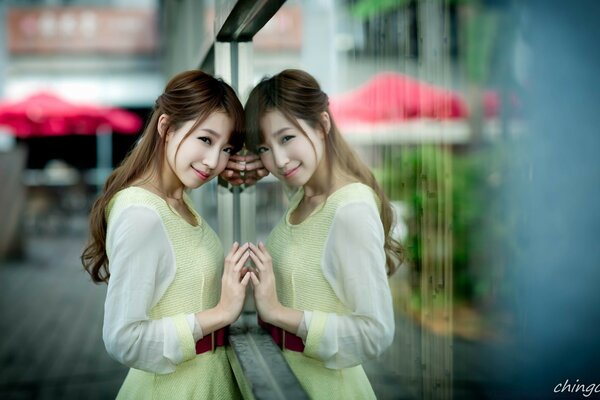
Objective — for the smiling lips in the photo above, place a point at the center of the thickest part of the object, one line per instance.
(201, 175)
(289, 173)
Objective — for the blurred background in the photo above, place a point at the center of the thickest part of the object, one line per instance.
(478, 117)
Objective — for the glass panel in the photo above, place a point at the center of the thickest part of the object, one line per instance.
(427, 94)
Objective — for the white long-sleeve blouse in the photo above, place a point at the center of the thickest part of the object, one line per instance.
(354, 264)
(142, 266)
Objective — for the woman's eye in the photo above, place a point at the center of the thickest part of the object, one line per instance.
(286, 138)
(205, 139)
(261, 149)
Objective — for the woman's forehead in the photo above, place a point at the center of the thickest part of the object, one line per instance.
(275, 119)
(274, 116)
(217, 122)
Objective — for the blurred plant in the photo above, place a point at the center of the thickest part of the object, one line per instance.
(471, 179)
(364, 9)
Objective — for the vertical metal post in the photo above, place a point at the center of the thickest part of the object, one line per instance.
(225, 198)
(233, 54)
(247, 197)
(236, 206)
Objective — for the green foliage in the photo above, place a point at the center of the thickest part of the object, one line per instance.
(425, 178)
(366, 9)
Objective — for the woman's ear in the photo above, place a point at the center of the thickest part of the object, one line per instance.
(326, 122)
(163, 124)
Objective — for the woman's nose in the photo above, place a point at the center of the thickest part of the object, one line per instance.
(280, 157)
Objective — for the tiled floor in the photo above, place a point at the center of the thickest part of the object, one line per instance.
(51, 326)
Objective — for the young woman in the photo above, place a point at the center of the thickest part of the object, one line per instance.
(320, 283)
(171, 294)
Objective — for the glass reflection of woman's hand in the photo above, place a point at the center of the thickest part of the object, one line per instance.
(263, 282)
(244, 170)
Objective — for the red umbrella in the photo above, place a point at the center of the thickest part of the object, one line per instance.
(45, 114)
(122, 121)
(391, 97)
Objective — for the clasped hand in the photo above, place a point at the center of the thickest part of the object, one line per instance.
(244, 170)
(234, 281)
(237, 274)
(263, 282)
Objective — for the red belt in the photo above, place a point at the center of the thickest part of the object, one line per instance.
(212, 341)
(283, 338)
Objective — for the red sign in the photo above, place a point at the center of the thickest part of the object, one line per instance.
(81, 30)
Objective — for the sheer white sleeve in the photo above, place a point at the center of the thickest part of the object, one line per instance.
(142, 266)
(354, 265)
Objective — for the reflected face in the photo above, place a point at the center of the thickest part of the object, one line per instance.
(203, 154)
(287, 152)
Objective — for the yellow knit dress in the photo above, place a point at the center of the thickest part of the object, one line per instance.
(297, 252)
(199, 265)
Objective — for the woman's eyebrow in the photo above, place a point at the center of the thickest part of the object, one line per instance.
(211, 132)
(277, 132)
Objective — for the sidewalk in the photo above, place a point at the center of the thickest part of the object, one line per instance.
(51, 327)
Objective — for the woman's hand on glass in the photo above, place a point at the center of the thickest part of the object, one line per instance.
(244, 170)
(234, 281)
(263, 282)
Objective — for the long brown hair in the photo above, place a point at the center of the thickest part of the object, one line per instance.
(188, 96)
(297, 95)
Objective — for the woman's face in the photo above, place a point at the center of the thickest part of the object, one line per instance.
(203, 154)
(287, 152)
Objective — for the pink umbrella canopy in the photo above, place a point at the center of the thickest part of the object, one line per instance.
(391, 97)
(45, 114)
